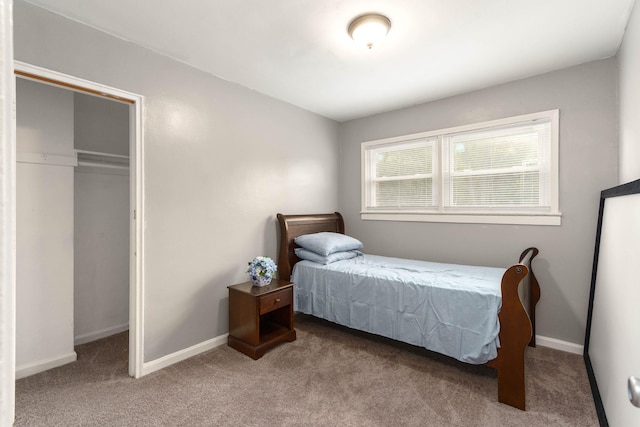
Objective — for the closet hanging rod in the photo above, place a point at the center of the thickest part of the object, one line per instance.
(102, 165)
(100, 153)
(103, 160)
(71, 86)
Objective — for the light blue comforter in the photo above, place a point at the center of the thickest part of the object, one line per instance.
(447, 308)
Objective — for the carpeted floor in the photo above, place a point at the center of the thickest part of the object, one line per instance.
(330, 376)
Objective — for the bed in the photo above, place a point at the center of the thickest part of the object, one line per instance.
(363, 293)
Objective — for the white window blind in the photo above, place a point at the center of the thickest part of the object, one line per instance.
(503, 171)
(498, 169)
(402, 176)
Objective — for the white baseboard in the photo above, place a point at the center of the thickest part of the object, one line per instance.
(36, 368)
(96, 335)
(557, 344)
(178, 356)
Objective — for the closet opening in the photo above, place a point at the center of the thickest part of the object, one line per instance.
(101, 218)
(79, 203)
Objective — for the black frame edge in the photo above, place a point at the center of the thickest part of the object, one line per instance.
(629, 188)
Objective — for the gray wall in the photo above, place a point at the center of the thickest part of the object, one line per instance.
(586, 97)
(629, 76)
(220, 161)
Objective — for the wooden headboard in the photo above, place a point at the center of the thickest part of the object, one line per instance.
(292, 226)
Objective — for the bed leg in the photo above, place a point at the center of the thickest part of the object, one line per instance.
(511, 382)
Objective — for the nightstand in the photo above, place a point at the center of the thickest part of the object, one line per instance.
(260, 317)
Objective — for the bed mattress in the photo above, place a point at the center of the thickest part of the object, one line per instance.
(447, 308)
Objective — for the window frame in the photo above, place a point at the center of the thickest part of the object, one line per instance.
(444, 214)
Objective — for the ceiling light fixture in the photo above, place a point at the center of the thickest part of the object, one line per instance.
(369, 29)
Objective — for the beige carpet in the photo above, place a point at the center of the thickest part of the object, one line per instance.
(330, 376)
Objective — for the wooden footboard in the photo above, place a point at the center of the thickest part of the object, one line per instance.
(517, 319)
(516, 330)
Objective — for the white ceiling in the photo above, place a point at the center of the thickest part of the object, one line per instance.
(299, 50)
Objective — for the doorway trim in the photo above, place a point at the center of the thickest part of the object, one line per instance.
(7, 218)
(136, 192)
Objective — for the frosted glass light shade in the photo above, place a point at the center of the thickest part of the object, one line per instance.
(369, 29)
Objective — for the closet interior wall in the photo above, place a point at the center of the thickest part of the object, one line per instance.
(101, 225)
(44, 227)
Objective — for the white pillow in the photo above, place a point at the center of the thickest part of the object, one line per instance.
(325, 243)
(328, 259)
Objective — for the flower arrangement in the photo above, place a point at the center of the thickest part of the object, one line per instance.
(261, 270)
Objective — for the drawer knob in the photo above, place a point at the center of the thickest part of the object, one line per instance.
(277, 300)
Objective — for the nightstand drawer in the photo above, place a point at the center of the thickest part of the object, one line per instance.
(275, 300)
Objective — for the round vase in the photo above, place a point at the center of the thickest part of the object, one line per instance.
(261, 280)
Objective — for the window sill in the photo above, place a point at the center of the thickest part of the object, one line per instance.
(507, 219)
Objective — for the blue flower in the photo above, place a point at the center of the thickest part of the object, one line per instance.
(262, 266)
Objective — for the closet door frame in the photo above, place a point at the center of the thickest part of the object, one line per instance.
(136, 192)
(7, 217)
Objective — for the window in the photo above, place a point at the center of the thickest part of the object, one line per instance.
(500, 172)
